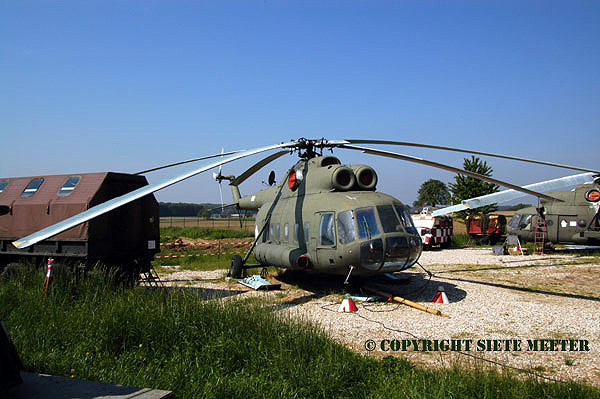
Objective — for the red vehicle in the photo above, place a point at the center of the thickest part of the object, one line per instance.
(486, 228)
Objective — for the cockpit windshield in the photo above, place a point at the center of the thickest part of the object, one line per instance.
(389, 220)
(406, 219)
(366, 222)
(514, 221)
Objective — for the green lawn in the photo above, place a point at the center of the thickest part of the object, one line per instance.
(177, 341)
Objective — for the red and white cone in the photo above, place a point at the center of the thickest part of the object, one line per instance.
(347, 306)
(440, 296)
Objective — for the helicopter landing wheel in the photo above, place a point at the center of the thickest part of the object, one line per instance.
(235, 271)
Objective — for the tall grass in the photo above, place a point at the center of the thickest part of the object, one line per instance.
(174, 340)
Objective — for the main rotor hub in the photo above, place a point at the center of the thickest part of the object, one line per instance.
(311, 148)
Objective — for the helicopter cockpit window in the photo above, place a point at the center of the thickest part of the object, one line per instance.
(367, 224)
(525, 222)
(345, 225)
(3, 185)
(389, 220)
(32, 187)
(69, 185)
(514, 221)
(406, 219)
(327, 232)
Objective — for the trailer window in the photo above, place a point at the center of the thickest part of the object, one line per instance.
(367, 224)
(3, 185)
(32, 187)
(69, 185)
(327, 232)
(346, 229)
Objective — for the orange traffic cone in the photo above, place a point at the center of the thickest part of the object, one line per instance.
(347, 306)
(440, 296)
(48, 279)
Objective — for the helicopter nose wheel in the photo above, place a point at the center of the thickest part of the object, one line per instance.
(235, 270)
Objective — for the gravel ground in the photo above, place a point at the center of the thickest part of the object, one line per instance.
(517, 298)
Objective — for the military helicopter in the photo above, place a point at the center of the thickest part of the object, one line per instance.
(575, 220)
(323, 216)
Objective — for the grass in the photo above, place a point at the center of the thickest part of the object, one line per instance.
(463, 240)
(169, 234)
(174, 340)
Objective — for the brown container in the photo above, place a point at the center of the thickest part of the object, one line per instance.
(128, 236)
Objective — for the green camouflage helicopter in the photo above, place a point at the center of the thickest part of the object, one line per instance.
(323, 216)
(574, 221)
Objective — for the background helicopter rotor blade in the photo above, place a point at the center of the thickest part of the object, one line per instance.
(507, 195)
(449, 168)
(132, 196)
(184, 162)
(437, 147)
(256, 167)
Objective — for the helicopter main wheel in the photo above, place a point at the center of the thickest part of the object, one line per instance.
(235, 270)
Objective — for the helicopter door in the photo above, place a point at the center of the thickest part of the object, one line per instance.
(326, 240)
(567, 228)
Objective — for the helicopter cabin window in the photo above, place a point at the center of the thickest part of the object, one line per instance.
(3, 185)
(69, 186)
(306, 226)
(286, 232)
(367, 224)
(346, 230)
(32, 187)
(327, 231)
(296, 232)
(389, 220)
(277, 231)
(406, 219)
(266, 233)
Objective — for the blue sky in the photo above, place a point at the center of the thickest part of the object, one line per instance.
(124, 86)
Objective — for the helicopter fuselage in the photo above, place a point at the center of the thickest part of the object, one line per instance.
(327, 217)
(574, 221)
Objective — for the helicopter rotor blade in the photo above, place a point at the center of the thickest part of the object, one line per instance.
(507, 195)
(184, 162)
(133, 195)
(256, 167)
(437, 147)
(449, 168)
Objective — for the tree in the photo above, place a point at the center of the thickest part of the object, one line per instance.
(468, 187)
(432, 192)
(204, 213)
